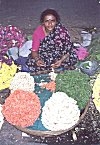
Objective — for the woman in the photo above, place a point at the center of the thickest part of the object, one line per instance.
(51, 47)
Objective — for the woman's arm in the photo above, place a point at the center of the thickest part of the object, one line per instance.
(66, 56)
(35, 55)
(37, 36)
(38, 60)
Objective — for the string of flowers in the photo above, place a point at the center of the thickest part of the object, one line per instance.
(60, 112)
(23, 81)
(6, 75)
(21, 108)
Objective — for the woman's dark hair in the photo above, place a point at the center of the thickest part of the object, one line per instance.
(48, 12)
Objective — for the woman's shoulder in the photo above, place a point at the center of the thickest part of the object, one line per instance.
(39, 33)
(38, 30)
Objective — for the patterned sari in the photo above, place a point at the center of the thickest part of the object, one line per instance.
(52, 48)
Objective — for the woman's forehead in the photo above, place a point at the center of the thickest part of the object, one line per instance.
(49, 17)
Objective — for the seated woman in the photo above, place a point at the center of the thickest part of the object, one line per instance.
(51, 46)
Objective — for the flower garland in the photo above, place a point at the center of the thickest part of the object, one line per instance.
(6, 74)
(21, 108)
(51, 86)
(22, 81)
(10, 36)
(96, 92)
(60, 112)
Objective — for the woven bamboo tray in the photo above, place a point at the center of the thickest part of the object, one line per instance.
(53, 133)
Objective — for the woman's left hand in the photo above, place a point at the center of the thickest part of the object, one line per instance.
(56, 64)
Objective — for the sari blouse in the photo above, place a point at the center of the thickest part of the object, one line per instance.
(38, 35)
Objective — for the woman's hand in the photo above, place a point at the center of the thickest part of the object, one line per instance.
(59, 62)
(39, 62)
(56, 64)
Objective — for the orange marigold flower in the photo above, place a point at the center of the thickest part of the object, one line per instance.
(22, 108)
(49, 86)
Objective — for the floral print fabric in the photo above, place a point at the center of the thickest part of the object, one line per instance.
(52, 48)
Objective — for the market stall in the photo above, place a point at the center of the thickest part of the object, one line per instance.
(47, 104)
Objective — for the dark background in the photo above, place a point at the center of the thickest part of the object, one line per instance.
(26, 13)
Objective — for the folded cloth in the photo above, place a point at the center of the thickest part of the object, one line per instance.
(21, 61)
(24, 51)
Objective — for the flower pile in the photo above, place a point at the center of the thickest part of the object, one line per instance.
(76, 85)
(60, 112)
(82, 53)
(10, 36)
(21, 108)
(96, 92)
(22, 81)
(6, 75)
(1, 117)
(51, 86)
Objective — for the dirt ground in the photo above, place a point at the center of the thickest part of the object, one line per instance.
(76, 15)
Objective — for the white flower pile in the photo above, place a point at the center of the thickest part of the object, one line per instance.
(22, 81)
(60, 112)
(1, 117)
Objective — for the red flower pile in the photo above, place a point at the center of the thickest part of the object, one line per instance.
(22, 108)
(10, 36)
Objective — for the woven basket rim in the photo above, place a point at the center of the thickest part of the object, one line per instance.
(53, 133)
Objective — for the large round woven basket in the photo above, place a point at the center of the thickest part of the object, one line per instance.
(48, 133)
(53, 133)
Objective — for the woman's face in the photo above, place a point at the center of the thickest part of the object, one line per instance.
(49, 23)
